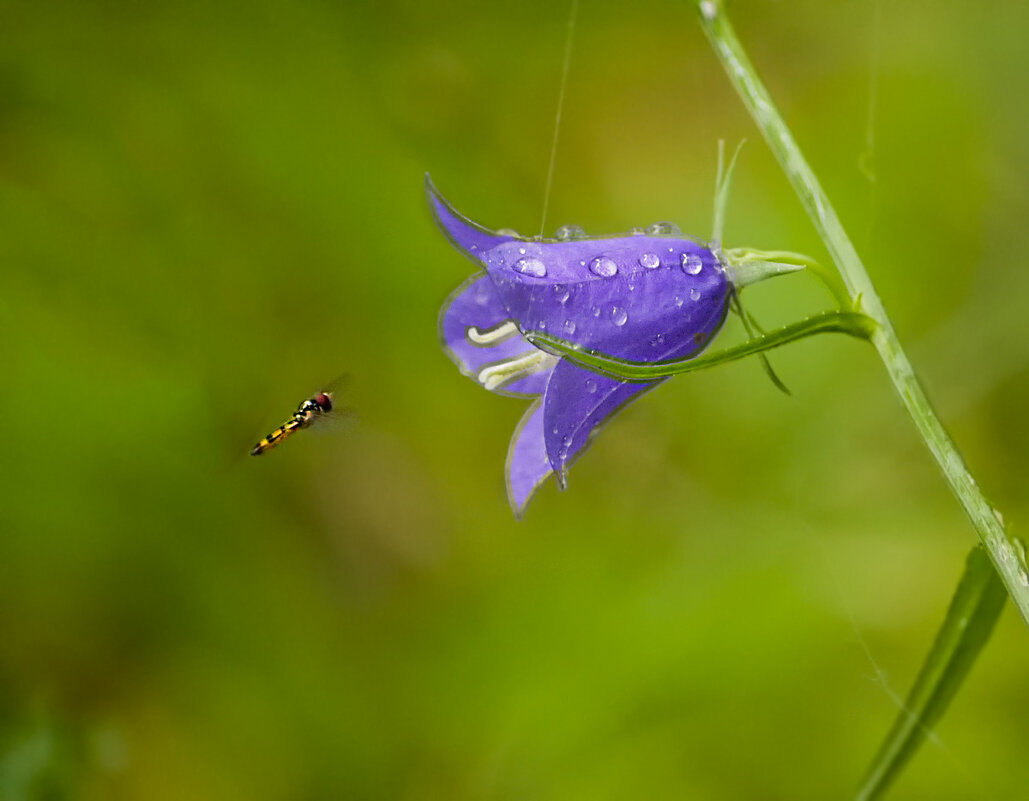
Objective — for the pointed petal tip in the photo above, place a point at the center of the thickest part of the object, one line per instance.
(519, 499)
(431, 192)
(466, 235)
(519, 505)
(518, 508)
(437, 203)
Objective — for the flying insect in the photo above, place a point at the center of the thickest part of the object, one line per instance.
(312, 411)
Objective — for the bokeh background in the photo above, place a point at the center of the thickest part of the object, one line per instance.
(207, 210)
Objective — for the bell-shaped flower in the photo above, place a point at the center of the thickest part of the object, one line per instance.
(648, 296)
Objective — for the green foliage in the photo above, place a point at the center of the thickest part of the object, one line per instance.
(978, 600)
(970, 619)
(209, 209)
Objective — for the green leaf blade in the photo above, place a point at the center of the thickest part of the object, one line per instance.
(974, 610)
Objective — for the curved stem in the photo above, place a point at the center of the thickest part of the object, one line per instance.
(986, 520)
(857, 325)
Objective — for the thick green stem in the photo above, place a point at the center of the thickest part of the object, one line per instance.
(984, 517)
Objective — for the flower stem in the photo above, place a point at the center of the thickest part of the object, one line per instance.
(857, 325)
(985, 519)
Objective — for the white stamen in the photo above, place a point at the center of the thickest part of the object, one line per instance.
(491, 336)
(535, 361)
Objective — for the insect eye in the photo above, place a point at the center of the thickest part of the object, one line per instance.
(324, 401)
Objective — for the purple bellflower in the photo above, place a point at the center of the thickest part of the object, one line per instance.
(648, 296)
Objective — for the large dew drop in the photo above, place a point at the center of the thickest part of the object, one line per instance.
(692, 265)
(604, 267)
(664, 229)
(650, 260)
(531, 267)
(569, 232)
(619, 316)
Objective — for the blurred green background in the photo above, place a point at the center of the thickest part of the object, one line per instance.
(207, 210)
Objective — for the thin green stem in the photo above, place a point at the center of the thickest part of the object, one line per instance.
(985, 519)
(722, 183)
(852, 323)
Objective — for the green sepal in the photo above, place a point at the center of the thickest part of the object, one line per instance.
(749, 265)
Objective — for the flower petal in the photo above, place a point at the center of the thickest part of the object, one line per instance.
(575, 403)
(628, 297)
(486, 345)
(577, 400)
(470, 238)
(527, 463)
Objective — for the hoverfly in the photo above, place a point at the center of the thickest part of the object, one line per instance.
(312, 411)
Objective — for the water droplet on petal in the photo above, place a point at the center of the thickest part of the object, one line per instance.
(678, 301)
(691, 264)
(521, 251)
(567, 232)
(664, 229)
(507, 232)
(569, 326)
(596, 311)
(636, 231)
(542, 325)
(561, 292)
(603, 266)
(694, 294)
(619, 316)
(657, 340)
(591, 387)
(531, 267)
(650, 260)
